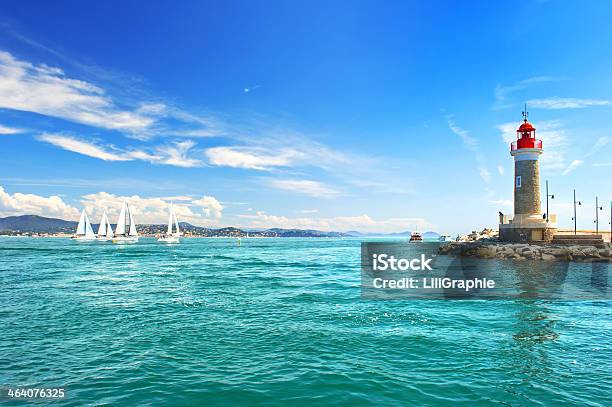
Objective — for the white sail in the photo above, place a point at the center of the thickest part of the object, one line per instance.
(120, 229)
(170, 221)
(133, 231)
(109, 228)
(103, 223)
(81, 227)
(125, 231)
(88, 230)
(170, 236)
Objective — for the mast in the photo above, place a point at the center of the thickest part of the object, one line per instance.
(170, 221)
(178, 232)
(127, 219)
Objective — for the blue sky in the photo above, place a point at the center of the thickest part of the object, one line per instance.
(328, 115)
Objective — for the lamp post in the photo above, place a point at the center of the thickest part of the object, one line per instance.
(551, 197)
(574, 218)
(597, 209)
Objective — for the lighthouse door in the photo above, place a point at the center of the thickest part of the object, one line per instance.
(537, 234)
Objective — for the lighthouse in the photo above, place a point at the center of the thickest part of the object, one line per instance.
(528, 223)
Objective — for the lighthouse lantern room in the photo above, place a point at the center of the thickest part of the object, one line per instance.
(528, 223)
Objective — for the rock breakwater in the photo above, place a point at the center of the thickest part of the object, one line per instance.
(523, 251)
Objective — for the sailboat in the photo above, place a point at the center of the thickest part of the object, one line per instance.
(105, 230)
(125, 232)
(84, 231)
(170, 236)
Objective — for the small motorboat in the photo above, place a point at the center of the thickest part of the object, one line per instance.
(416, 237)
(445, 237)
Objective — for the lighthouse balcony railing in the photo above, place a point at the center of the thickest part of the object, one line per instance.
(526, 143)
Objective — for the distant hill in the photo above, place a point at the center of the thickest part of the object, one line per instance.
(35, 223)
(40, 224)
(356, 233)
(303, 233)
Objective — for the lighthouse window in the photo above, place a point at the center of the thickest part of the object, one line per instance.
(518, 181)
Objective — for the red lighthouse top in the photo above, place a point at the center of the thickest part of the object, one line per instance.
(526, 135)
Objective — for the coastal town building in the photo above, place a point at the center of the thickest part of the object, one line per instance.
(528, 223)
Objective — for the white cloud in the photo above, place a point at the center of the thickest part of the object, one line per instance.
(175, 198)
(251, 88)
(175, 154)
(82, 147)
(503, 92)
(484, 174)
(210, 205)
(500, 170)
(31, 204)
(306, 187)
(573, 165)
(307, 211)
(469, 141)
(154, 109)
(49, 91)
(565, 103)
(256, 158)
(10, 130)
(362, 223)
(599, 144)
(555, 145)
(471, 144)
(266, 149)
(508, 131)
(206, 211)
(46, 90)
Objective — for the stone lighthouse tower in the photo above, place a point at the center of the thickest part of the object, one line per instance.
(528, 224)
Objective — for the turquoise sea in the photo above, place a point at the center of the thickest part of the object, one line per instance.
(278, 322)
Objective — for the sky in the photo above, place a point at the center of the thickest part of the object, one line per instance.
(330, 115)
